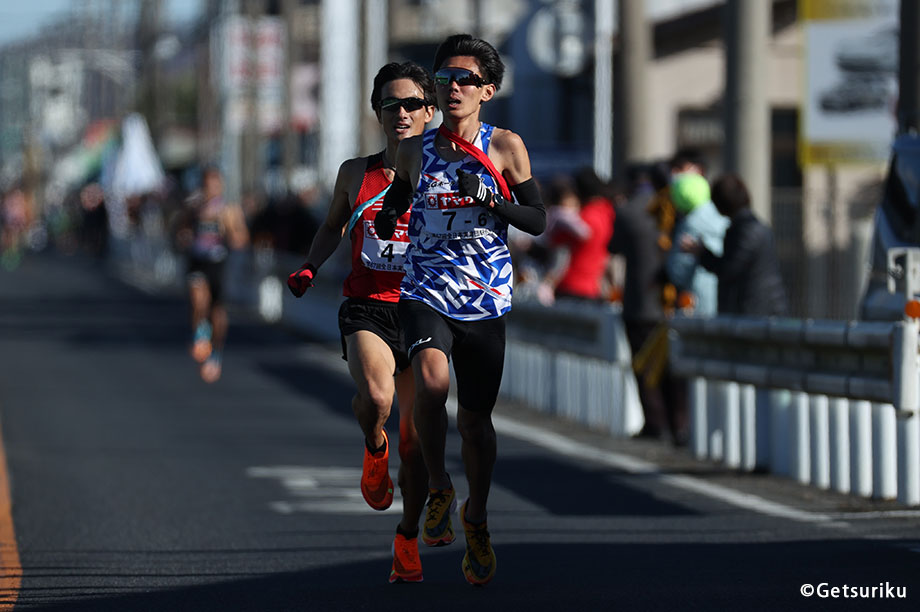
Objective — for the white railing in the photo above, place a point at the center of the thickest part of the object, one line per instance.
(572, 360)
(829, 403)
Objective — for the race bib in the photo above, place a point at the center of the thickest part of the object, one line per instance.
(450, 216)
(384, 255)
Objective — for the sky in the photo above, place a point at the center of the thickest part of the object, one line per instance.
(20, 20)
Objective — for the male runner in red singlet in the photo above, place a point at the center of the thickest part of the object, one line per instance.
(403, 99)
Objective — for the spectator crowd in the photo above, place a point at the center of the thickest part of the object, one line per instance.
(660, 242)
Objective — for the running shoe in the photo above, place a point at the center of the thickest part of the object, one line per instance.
(479, 560)
(211, 368)
(437, 530)
(376, 485)
(201, 343)
(407, 566)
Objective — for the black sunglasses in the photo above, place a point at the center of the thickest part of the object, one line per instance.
(394, 104)
(461, 76)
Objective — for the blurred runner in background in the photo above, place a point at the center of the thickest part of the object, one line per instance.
(209, 229)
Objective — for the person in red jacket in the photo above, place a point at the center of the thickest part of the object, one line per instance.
(404, 101)
(588, 255)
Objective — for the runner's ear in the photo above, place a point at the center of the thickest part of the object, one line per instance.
(488, 92)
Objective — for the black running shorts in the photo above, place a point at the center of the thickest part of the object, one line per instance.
(377, 317)
(477, 349)
(212, 272)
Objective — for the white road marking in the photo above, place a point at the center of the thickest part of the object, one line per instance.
(564, 446)
(877, 514)
(320, 490)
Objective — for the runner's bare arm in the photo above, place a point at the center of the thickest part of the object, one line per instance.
(510, 157)
(235, 222)
(332, 230)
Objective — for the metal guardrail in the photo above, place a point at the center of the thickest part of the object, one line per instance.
(830, 403)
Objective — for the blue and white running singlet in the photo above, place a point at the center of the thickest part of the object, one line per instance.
(457, 260)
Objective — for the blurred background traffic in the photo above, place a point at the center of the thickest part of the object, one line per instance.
(111, 109)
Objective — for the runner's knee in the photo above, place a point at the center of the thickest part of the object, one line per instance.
(409, 449)
(475, 427)
(431, 392)
(377, 396)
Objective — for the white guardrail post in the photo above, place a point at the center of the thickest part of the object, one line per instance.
(906, 373)
(839, 444)
(861, 447)
(819, 428)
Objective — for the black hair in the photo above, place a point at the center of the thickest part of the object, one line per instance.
(730, 195)
(660, 175)
(559, 187)
(589, 185)
(689, 155)
(490, 63)
(406, 70)
(637, 175)
(211, 169)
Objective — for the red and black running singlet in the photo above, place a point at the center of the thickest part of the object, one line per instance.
(376, 264)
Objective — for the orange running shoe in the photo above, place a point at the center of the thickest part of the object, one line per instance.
(407, 566)
(211, 368)
(376, 485)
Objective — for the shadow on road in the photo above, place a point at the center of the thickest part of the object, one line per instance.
(749, 577)
(562, 487)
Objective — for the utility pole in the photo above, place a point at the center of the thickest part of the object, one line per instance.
(250, 152)
(630, 89)
(909, 68)
(376, 51)
(747, 28)
(603, 88)
(148, 33)
(288, 136)
(340, 67)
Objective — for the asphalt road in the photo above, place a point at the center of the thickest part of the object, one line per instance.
(136, 486)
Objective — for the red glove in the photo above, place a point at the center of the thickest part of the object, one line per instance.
(301, 280)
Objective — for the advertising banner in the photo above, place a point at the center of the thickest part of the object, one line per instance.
(851, 80)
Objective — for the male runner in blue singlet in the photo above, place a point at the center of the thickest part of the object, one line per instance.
(457, 286)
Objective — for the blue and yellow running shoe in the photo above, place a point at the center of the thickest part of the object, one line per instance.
(437, 530)
(479, 561)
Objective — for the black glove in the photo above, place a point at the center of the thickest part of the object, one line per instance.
(471, 185)
(385, 222)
